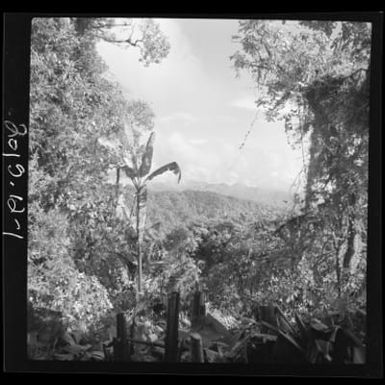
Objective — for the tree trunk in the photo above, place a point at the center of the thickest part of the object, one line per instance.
(350, 246)
(138, 245)
(141, 205)
(338, 273)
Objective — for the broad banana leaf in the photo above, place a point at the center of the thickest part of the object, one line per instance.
(129, 172)
(147, 156)
(173, 166)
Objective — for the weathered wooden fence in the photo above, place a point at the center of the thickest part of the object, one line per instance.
(123, 344)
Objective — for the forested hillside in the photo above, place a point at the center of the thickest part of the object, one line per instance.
(180, 209)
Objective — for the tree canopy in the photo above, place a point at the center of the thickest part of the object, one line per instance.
(72, 106)
(314, 75)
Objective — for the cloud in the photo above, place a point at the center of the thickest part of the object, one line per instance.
(196, 159)
(169, 85)
(198, 141)
(202, 112)
(215, 160)
(185, 117)
(247, 103)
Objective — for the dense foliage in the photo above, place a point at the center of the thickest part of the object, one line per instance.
(88, 237)
(315, 76)
(78, 247)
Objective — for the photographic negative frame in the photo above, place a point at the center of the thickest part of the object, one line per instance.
(16, 59)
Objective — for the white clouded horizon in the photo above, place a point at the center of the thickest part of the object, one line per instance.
(203, 111)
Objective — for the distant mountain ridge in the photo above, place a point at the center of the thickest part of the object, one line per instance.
(238, 190)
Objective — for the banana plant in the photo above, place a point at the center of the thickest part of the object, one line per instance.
(140, 176)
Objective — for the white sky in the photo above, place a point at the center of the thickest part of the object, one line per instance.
(203, 111)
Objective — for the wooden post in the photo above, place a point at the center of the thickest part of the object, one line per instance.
(107, 354)
(132, 335)
(116, 353)
(171, 342)
(196, 348)
(198, 310)
(121, 351)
